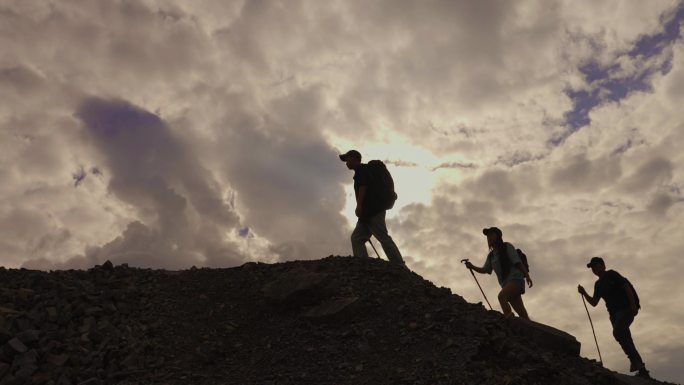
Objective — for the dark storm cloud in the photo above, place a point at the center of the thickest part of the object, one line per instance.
(279, 163)
(180, 204)
(148, 162)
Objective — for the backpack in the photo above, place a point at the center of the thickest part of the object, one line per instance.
(636, 296)
(523, 258)
(382, 184)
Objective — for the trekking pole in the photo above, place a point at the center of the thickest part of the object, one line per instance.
(592, 328)
(376, 251)
(478, 285)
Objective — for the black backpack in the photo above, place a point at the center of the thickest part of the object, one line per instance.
(523, 258)
(382, 184)
(636, 296)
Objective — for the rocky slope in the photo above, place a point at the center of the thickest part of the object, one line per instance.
(338, 320)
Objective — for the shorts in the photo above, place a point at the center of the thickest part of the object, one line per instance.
(518, 282)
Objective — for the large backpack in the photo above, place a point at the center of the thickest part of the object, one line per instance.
(636, 296)
(382, 184)
(523, 258)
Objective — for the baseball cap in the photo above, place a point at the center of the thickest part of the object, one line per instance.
(350, 154)
(594, 261)
(492, 230)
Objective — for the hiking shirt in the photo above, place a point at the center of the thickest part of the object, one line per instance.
(370, 206)
(610, 287)
(493, 263)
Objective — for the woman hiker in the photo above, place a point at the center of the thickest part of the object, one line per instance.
(503, 259)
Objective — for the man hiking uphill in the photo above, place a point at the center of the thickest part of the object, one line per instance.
(622, 304)
(504, 260)
(370, 209)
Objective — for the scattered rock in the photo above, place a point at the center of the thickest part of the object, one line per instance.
(295, 287)
(17, 345)
(334, 308)
(337, 320)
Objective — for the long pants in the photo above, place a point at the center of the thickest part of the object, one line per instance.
(375, 226)
(621, 321)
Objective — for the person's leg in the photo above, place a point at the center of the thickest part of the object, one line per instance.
(359, 236)
(508, 292)
(519, 306)
(379, 230)
(621, 322)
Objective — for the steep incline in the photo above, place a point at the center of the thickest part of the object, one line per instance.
(338, 320)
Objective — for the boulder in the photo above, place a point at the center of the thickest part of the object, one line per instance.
(333, 309)
(546, 336)
(17, 345)
(295, 287)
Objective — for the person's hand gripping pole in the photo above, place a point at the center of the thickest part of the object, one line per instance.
(470, 267)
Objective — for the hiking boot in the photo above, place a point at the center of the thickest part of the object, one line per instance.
(635, 366)
(643, 373)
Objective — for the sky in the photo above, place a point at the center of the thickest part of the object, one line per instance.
(168, 134)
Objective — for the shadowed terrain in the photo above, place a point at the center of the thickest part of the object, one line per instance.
(338, 320)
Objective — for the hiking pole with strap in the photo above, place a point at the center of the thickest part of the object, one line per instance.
(374, 249)
(478, 284)
(592, 328)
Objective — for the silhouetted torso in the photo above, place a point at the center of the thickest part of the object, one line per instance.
(493, 263)
(371, 205)
(610, 287)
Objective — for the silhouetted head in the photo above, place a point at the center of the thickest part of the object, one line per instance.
(352, 158)
(597, 266)
(494, 236)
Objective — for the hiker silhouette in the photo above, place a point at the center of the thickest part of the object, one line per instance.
(622, 304)
(373, 197)
(504, 260)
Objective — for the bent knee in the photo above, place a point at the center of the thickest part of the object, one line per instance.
(619, 334)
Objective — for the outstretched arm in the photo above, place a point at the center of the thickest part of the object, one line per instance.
(593, 300)
(475, 268)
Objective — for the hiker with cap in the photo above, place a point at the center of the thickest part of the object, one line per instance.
(510, 271)
(371, 208)
(622, 303)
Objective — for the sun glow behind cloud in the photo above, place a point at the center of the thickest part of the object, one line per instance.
(415, 171)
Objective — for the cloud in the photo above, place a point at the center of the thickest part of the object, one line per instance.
(627, 72)
(652, 173)
(287, 177)
(206, 133)
(581, 174)
(456, 165)
(182, 210)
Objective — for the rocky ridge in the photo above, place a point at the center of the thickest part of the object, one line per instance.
(338, 320)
